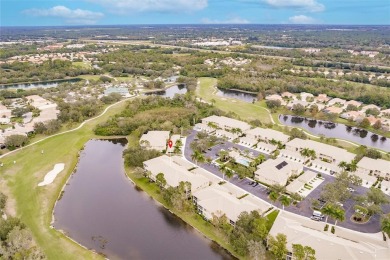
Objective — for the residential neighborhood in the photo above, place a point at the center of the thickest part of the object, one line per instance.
(301, 167)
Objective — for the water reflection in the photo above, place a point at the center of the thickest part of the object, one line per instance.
(170, 92)
(102, 210)
(330, 129)
(247, 97)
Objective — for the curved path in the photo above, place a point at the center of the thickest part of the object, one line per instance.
(68, 131)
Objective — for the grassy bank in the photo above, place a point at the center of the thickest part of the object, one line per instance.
(246, 111)
(34, 204)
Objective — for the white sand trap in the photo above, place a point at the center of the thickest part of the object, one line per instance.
(50, 176)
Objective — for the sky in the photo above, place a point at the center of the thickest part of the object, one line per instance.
(107, 12)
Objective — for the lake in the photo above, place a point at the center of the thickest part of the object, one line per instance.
(247, 97)
(169, 92)
(48, 84)
(104, 211)
(335, 130)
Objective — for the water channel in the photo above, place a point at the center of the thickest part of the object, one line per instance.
(48, 84)
(104, 211)
(335, 130)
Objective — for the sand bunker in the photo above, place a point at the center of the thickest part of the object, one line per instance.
(50, 176)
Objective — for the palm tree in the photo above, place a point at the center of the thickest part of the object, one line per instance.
(306, 152)
(385, 224)
(343, 165)
(352, 166)
(197, 156)
(338, 215)
(222, 168)
(273, 196)
(285, 201)
(327, 211)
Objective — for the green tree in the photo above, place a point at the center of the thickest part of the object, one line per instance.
(13, 141)
(197, 156)
(285, 201)
(365, 123)
(278, 246)
(306, 152)
(256, 250)
(301, 252)
(160, 180)
(385, 224)
(273, 196)
(3, 201)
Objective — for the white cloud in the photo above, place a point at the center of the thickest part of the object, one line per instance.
(302, 19)
(76, 16)
(306, 5)
(126, 6)
(233, 20)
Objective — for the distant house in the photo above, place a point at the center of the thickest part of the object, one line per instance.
(325, 152)
(289, 95)
(226, 123)
(156, 140)
(266, 147)
(5, 112)
(333, 110)
(353, 103)
(276, 97)
(305, 96)
(266, 134)
(353, 115)
(277, 171)
(336, 101)
(291, 104)
(375, 167)
(365, 108)
(322, 98)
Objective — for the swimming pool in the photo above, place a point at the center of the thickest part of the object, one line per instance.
(243, 161)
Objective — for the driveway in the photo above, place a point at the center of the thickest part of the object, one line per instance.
(303, 208)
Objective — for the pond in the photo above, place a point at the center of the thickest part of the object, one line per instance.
(102, 210)
(335, 130)
(247, 97)
(169, 92)
(48, 84)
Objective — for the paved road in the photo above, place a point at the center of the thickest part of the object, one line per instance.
(303, 208)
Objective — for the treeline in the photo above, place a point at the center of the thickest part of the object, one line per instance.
(156, 113)
(280, 83)
(340, 65)
(49, 70)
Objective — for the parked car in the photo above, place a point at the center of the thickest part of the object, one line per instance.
(256, 184)
(316, 218)
(251, 183)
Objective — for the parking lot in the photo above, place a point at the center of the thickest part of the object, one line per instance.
(303, 208)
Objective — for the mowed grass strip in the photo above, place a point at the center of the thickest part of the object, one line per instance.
(246, 111)
(34, 204)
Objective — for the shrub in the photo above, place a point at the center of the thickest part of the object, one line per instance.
(333, 230)
(326, 227)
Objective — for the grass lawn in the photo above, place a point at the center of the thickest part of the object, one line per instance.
(82, 64)
(271, 219)
(34, 204)
(246, 111)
